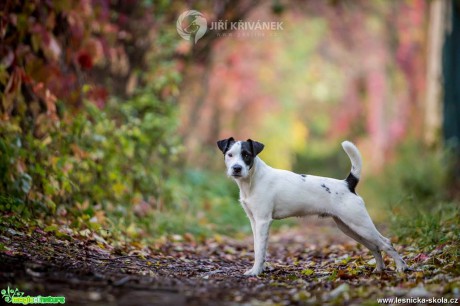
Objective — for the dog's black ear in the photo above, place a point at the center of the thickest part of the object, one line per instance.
(225, 144)
(256, 147)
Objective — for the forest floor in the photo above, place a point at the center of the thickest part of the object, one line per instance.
(310, 264)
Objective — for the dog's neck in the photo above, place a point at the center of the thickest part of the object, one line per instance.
(248, 183)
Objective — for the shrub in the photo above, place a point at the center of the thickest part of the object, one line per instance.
(121, 155)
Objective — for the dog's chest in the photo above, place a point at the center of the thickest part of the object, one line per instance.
(244, 203)
(255, 208)
(247, 206)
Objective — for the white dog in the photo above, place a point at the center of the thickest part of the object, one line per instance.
(268, 194)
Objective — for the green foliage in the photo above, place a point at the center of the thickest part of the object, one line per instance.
(430, 228)
(121, 155)
(416, 179)
(128, 150)
(211, 200)
(60, 155)
(415, 191)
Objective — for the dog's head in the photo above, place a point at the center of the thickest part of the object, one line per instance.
(239, 155)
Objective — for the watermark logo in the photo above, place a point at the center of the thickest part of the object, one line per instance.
(9, 294)
(225, 25)
(191, 25)
(14, 296)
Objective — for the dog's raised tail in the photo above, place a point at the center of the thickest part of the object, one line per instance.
(356, 165)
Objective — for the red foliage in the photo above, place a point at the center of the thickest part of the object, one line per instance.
(85, 60)
(98, 95)
(54, 45)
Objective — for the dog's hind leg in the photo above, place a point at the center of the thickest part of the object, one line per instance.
(390, 250)
(361, 224)
(380, 265)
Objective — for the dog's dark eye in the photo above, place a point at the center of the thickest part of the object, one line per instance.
(230, 155)
(245, 155)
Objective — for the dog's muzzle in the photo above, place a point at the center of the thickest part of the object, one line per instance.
(236, 170)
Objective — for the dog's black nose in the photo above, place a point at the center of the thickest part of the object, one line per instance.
(237, 168)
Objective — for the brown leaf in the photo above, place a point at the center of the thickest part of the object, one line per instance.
(342, 274)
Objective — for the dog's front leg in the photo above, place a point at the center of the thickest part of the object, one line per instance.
(251, 219)
(262, 228)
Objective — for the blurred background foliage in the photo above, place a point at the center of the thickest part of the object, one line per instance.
(109, 119)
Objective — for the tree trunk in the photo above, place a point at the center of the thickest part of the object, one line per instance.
(436, 28)
(451, 71)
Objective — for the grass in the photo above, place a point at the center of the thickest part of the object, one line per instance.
(414, 191)
(429, 228)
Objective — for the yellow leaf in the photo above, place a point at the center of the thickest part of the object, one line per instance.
(118, 188)
(218, 238)
(132, 231)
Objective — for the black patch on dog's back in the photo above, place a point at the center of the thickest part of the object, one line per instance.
(352, 181)
(326, 188)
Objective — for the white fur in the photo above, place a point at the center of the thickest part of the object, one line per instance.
(355, 157)
(267, 194)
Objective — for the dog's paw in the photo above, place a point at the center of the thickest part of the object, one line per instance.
(253, 272)
(378, 270)
(404, 268)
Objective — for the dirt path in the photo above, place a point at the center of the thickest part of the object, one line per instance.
(308, 265)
